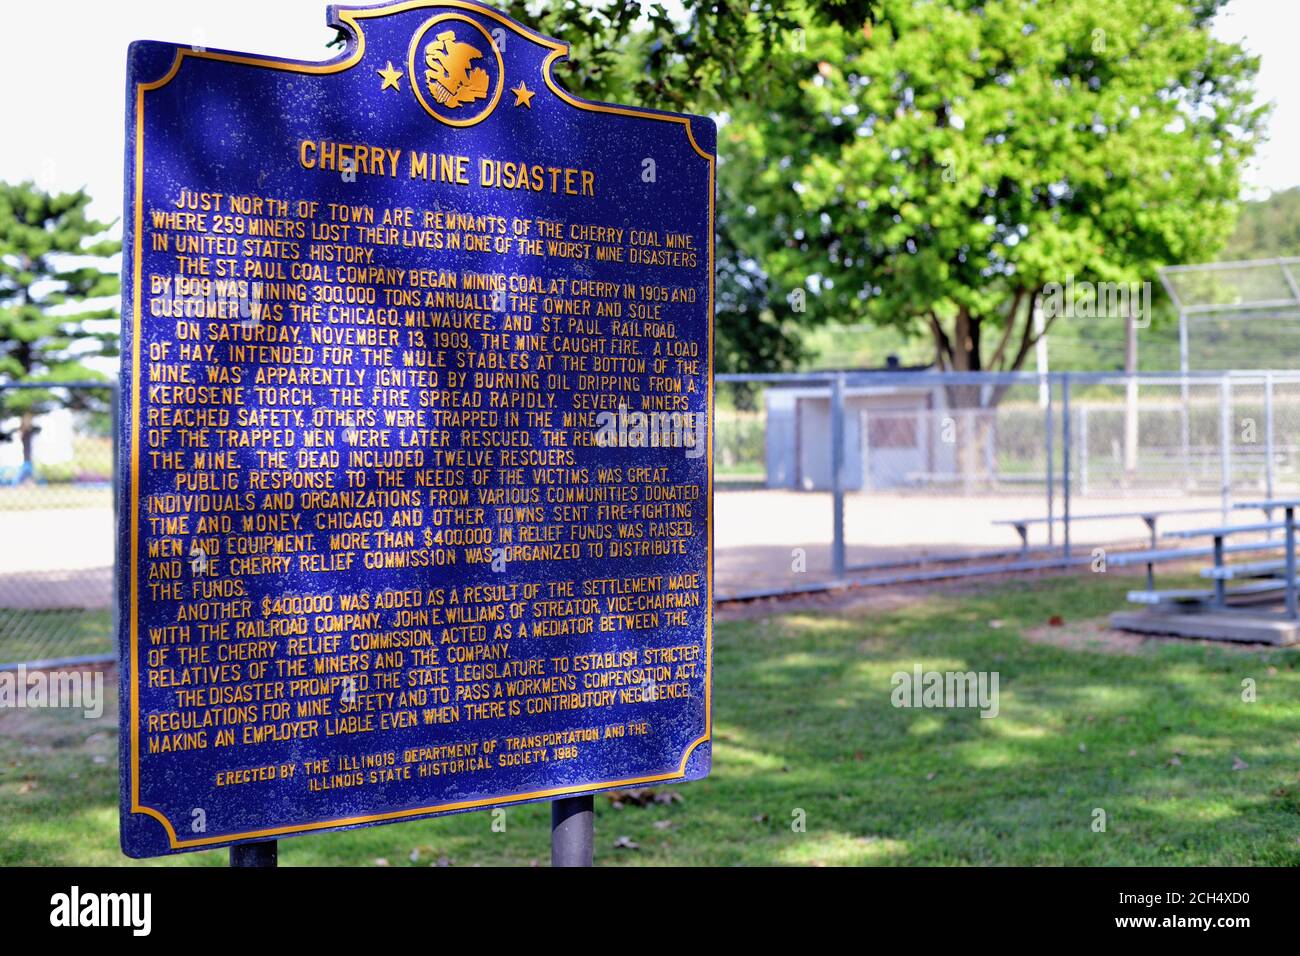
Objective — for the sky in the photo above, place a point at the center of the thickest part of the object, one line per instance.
(64, 128)
(1269, 28)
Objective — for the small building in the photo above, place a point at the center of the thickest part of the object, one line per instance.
(900, 424)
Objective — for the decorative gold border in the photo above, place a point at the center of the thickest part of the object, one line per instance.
(414, 76)
(351, 16)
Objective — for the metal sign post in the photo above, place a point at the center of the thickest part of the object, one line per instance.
(263, 854)
(572, 831)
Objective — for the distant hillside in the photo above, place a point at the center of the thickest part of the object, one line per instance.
(1267, 228)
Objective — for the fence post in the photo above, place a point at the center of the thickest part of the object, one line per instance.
(1083, 450)
(990, 416)
(1268, 440)
(1065, 460)
(837, 475)
(1225, 444)
(971, 455)
(1290, 562)
(1186, 395)
(1049, 441)
(864, 448)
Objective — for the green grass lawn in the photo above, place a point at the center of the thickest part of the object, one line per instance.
(54, 635)
(804, 722)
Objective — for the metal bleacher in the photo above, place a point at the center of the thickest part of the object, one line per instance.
(1241, 601)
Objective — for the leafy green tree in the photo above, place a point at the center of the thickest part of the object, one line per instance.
(52, 261)
(702, 55)
(725, 53)
(934, 176)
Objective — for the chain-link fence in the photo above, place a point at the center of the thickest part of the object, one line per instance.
(56, 522)
(819, 479)
(1232, 313)
(896, 476)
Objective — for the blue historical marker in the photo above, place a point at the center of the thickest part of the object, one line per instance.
(416, 434)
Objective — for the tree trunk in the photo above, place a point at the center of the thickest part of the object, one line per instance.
(973, 407)
(27, 429)
(962, 351)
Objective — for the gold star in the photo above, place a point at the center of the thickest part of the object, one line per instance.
(390, 76)
(523, 95)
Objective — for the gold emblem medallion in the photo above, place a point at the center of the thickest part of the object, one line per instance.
(456, 70)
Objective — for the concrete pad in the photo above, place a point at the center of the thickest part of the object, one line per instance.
(1215, 625)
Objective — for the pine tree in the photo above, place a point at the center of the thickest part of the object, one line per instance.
(52, 263)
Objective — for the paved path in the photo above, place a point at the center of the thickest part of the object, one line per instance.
(56, 558)
(62, 558)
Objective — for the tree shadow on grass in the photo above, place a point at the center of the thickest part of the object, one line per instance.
(1149, 740)
(814, 765)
